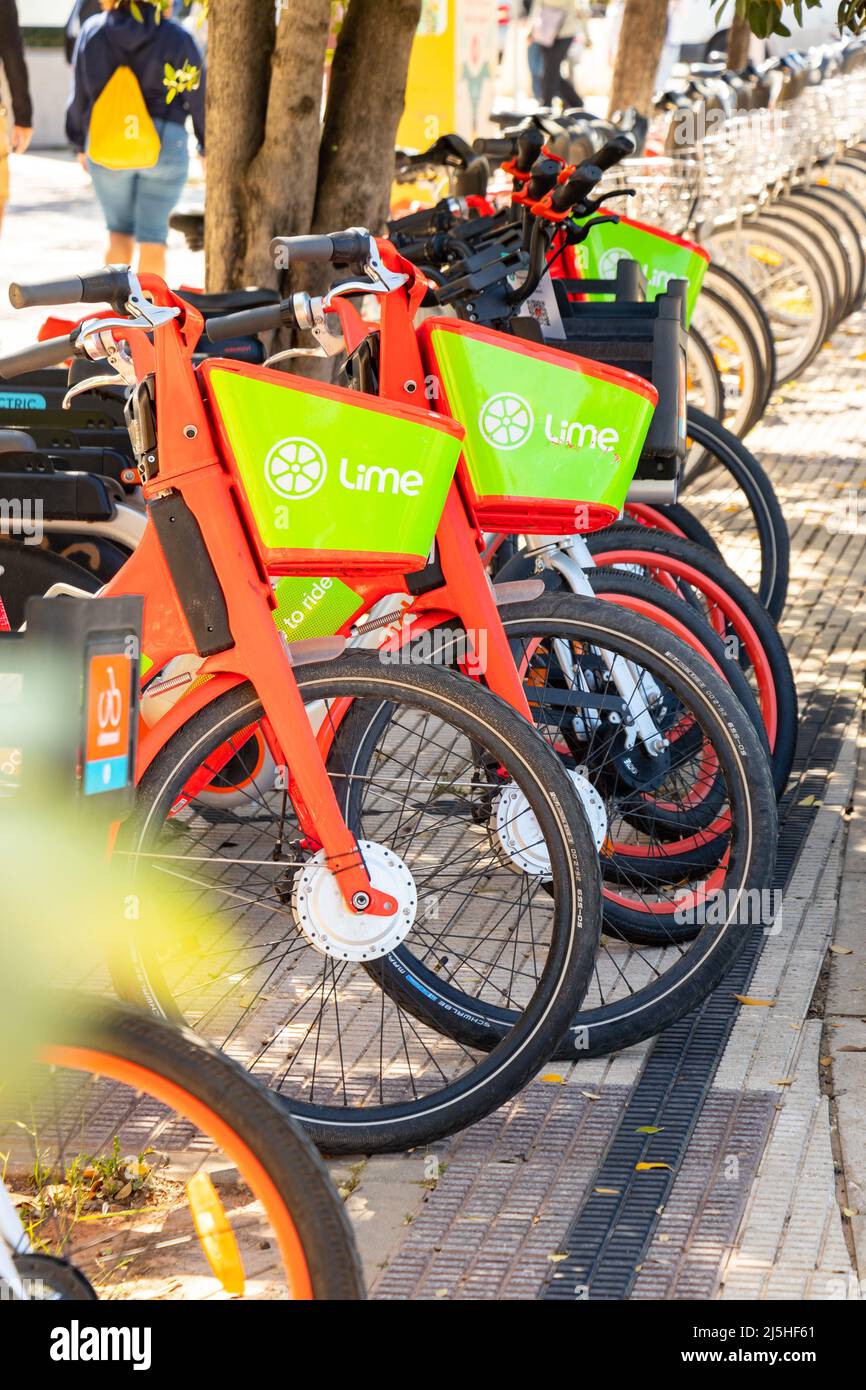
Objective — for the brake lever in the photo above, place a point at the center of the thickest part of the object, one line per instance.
(91, 383)
(593, 203)
(577, 234)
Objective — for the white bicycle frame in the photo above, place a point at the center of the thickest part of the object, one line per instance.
(570, 557)
(13, 1241)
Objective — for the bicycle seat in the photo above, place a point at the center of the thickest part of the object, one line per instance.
(230, 301)
(449, 151)
(706, 69)
(16, 442)
(188, 220)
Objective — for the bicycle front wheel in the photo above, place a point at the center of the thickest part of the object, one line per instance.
(146, 1165)
(463, 815)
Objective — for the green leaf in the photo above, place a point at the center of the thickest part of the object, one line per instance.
(169, 71)
(136, 12)
(170, 96)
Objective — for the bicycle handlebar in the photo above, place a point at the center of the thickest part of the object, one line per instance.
(108, 285)
(530, 143)
(249, 322)
(497, 147)
(336, 249)
(545, 172)
(576, 190)
(29, 359)
(620, 147)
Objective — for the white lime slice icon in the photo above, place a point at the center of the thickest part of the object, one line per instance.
(296, 468)
(506, 420)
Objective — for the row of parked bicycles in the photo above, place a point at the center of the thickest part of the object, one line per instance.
(461, 711)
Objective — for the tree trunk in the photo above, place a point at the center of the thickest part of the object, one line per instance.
(739, 39)
(280, 186)
(240, 45)
(365, 102)
(641, 39)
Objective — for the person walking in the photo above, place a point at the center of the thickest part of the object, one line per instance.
(554, 26)
(136, 78)
(13, 64)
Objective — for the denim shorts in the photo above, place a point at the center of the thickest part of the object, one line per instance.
(137, 202)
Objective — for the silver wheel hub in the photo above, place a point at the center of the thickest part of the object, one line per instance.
(332, 928)
(516, 828)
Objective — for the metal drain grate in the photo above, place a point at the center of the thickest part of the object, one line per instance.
(615, 1224)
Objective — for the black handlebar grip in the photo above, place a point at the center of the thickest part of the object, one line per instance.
(107, 285)
(620, 147)
(246, 323)
(30, 359)
(339, 247)
(545, 172)
(529, 146)
(578, 187)
(50, 292)
(494, 146)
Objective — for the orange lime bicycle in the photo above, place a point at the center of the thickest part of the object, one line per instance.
(669, 815)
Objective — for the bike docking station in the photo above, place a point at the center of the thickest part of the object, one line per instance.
(69, 683)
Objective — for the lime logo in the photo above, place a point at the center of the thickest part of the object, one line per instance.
(608, 262)
(506, 420)
(296, 468)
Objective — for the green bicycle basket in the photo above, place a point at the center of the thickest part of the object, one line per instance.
(552, 440)
(335, 482)
(662, 257)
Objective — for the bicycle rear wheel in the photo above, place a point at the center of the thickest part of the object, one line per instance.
(146, 1165)
(732, 289)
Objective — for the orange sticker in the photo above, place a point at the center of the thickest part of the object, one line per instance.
(107, 707)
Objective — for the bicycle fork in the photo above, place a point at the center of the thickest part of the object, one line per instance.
(570, 557)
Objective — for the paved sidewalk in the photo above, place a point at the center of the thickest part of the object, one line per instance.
(770, 1201)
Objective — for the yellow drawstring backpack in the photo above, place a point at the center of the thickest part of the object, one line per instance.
(122, 134)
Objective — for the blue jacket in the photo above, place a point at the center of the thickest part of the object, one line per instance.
(117, 39)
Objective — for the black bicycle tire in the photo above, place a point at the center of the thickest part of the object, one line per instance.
(769, 519)
(281, 1147)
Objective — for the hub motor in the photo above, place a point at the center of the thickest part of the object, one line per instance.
(332, 928)
(517, 832)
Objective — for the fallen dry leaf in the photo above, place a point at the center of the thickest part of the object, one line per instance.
(645, 1167)
(850, 1211)
(555, 1258)
(591, 1095)
(784, 1081)
(756, 1003)
(825, 1061)
(554, 1077)
(842, 950)
(607, 1191)
(649, 1129)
